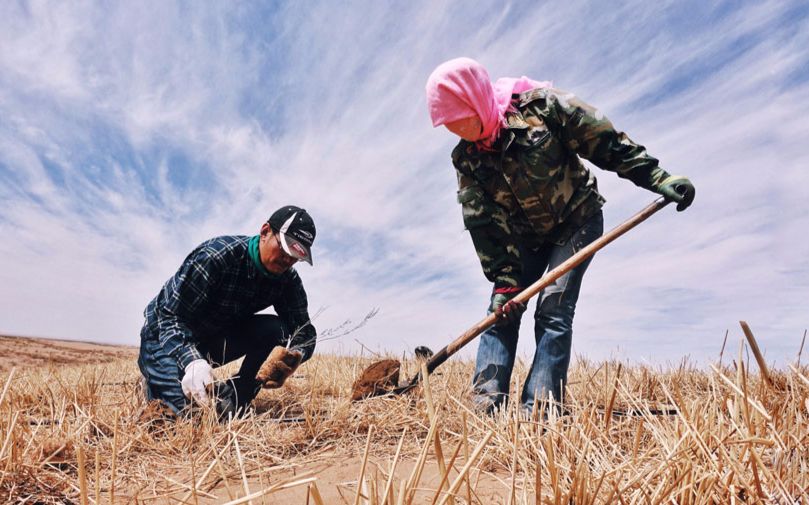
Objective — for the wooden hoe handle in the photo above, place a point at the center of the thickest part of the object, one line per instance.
(550, 277)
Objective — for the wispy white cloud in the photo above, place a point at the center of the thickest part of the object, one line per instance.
(128, 134)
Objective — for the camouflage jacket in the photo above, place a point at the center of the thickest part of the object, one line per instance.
(532, 189)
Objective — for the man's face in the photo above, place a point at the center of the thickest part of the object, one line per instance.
(273, 256)
(468, 128)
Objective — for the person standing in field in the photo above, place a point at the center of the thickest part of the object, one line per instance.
(206, 315)
(529, 204)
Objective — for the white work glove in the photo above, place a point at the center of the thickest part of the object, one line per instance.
(197, 377)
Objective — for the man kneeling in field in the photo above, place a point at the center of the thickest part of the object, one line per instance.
(206, 315)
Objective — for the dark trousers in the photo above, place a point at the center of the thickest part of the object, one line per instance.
(252, 338)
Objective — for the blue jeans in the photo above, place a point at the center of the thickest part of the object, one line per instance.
(252, 338)
(553, 328)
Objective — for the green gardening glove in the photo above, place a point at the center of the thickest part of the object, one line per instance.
(678, 189)
(508, 311)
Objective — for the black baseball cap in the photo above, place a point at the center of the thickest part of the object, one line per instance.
(296, 231)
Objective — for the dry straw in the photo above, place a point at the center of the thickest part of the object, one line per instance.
(629, 434)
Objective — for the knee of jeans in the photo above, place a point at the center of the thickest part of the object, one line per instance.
(491, 378)
(176, 400)
(558, 315)
(557, 297)
(505, 334)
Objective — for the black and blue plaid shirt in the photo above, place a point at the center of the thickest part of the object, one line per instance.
(217, 285)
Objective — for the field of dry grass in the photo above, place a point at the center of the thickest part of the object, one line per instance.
(632, 434)
(24, 352)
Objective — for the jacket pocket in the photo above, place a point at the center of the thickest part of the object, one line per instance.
(542, 156)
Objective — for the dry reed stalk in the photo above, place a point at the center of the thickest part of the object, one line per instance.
(799, 374)
(553, 471)
(82, 475)
(682, 413)
(748, 419)
(594, 493)
(193, 481)
(271, 489)
(183, 485)
(753, 441)
(373, 493)
(613, 489)
(662, 494)
(762, 365)
(7, 384)
(97, 483)
(7, 438)
(315, 493)
(767, 473)
(440, 486)
(114, 456)
(606, 382)
(636, 441)
(778, 440)
(402, 492)
(13, 452)
(761, 410)
(648, 477)
(428, 397)
(537, 482)
(415, 474)
(361, 478)
(385, 494)
(365, 492)
(754, 467)
(512, 499)
(239, 458)
(466, 457)
(611, 403)
(475, 454)
(208, 470)
(534, 450)
(739, 379)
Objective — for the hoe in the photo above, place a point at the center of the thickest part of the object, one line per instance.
(382, 377)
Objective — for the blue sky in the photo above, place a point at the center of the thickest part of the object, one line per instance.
(130, 132)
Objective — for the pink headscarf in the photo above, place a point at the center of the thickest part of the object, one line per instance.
(460, 88)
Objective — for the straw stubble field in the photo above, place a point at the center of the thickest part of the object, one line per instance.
(630, 434)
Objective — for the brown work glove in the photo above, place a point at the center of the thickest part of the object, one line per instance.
(280, 364)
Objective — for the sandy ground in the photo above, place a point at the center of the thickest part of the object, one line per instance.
(23, 352)
(337, 478)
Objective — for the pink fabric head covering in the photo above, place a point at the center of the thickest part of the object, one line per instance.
(460, 88)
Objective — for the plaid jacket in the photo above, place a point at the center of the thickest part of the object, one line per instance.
(216, 286)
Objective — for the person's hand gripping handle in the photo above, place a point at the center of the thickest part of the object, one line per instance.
(679, 189)
(507, 309)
